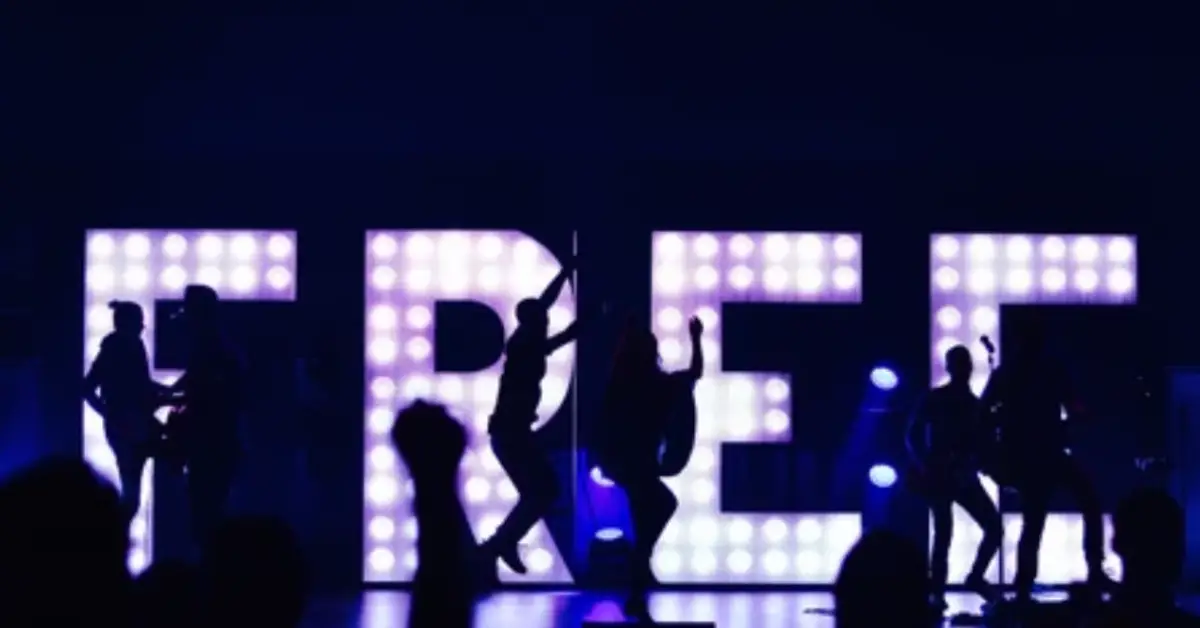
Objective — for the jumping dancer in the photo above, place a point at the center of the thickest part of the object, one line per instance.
(511, 424)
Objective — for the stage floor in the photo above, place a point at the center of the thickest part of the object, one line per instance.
(388, 609)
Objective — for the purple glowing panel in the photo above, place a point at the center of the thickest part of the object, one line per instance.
(693, 275)
(408, 272)
(972, 276)
(145, 266)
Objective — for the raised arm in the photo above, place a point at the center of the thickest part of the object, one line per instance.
(695, 370)
(550, 294)
(562, 338)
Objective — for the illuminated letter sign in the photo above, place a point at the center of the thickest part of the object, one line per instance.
(408, 272)
(693, 275)
(144, 266)
(973, 275)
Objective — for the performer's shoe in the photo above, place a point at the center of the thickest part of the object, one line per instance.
(980, 586)
(1100, 583)
(509, 554)
(637, 609)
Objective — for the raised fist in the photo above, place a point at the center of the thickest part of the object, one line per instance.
(695, 327)
(430, 441)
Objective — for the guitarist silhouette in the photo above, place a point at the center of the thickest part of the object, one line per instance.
(944, 439)
(203, 433)
(1027, 395)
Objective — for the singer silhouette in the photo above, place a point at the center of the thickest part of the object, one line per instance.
(119, 388)
(1029, 391)
(511, 423)
(944, 440)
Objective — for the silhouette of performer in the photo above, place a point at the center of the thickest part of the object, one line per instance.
(943, 439)
(204, 431)
(641, 401)
(511, 423)
(1026, 396)
(119, 388)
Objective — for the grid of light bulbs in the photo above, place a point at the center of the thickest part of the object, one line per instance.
(145, 266)
(693, 275)
(408, 272)
(972, 276)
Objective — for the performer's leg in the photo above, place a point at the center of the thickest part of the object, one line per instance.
(1084, 492)
(1035, 505)
(530, 471)
(943, 532)
(651, 506)
(131, 460)
(209, 481)
(971, 495)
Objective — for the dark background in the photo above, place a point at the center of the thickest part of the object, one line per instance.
(614, 121)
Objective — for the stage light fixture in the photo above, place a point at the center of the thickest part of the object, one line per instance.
(693, 275)
(972, 275)
(882, 476)
(884, 378)
(407, 273)
(146, 266)
(609, 534)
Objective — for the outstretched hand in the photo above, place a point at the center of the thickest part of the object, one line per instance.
(695, 327)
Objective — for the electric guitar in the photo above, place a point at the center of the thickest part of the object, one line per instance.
(925, 475)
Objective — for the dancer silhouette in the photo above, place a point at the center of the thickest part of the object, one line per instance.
(944, 438)
(119, 388)
(640, 403)
(205, 429)
(511, 423)
(1029, 392)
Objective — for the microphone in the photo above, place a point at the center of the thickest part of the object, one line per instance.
(987, 344)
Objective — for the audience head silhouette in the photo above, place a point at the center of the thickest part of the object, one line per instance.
(127, 317)
(254, 571)
(1149, 535)
(882, 571)
(62, 521)
(166, 594)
